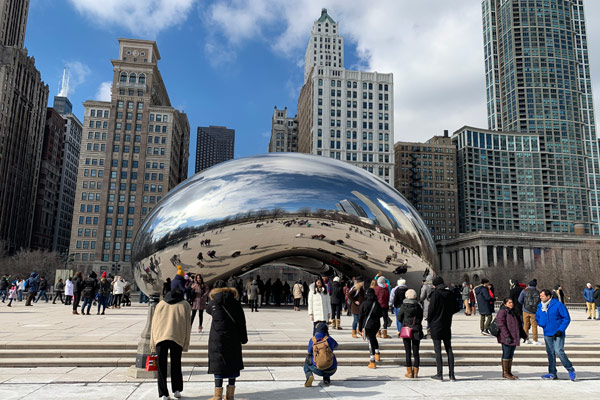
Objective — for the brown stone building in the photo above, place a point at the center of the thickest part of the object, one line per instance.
(134, 149)
(426, 175)
(23, 101)
(46, 206)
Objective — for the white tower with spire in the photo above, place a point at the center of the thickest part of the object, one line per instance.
(64, 84)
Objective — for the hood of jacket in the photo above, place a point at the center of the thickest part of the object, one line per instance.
(223, 295)
(173, 296)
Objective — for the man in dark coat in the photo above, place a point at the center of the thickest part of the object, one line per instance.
(485, 303)
(227, 334)
(337, 301)
(32, 286)
(515, 292)
(443, 304)
(277, 288)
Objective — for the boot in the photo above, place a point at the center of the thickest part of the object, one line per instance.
(415, 371)
(377, 356)
(505, 370)
(230, 391)
(339, 324)
(75, 312)
(379, 333)
(510, 370)
(218, 394)
(409, 373)
(372, 364)
(385, 335)
(354, 335)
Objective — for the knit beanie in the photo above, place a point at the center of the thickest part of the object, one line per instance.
(381, 280)
(533, 283)
(411, 294)
(104, 274)
(401, 282)
(180, 271)
(437, 281)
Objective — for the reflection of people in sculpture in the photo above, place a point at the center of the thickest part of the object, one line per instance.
(200, 257)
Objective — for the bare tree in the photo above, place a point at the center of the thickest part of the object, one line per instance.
(26, 261)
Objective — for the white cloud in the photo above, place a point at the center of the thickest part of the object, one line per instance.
(141, 17)
(104, 91)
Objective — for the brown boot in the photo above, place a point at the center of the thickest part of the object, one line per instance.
(75, 312)
(230, 391)
(372, 364)
(510, 370)
(377, 356)
(409, 373)
(354, 335)
(379, 333)
(339, 324)
(505, 369)
(385, 335)
(218, 394)
(415, 372)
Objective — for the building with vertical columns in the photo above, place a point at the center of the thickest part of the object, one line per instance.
(343, 114)
(425, 173)
(214, 145)
(24, 98)
(284, 132)
(134, 149)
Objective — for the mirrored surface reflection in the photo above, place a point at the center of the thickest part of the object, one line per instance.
(291, 209)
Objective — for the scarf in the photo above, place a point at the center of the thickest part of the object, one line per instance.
(545, 305)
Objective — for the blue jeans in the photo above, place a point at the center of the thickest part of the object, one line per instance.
(102, 299)
(555, 346)
(355, 322)
(398, 323)
(310, 368)
(86, 302)
(20, 295)
(508, 352)
(3, 293)
(40, 294)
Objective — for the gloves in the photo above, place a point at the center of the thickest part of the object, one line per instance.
(559, 334)
(508, 340)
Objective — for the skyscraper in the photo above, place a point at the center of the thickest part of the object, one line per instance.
(134, 149)
(538, 82)
(213, 146)
(24, 99)
(343, 114)
(284, 132)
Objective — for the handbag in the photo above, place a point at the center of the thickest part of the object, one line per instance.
(363, 335)
(406, 332)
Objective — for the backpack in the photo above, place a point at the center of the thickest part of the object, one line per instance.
(532, 299)
(494, 330)
(322, 354)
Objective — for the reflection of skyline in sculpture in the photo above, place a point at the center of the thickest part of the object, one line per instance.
(279, 206)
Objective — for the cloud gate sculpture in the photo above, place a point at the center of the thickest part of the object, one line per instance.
(314, 213)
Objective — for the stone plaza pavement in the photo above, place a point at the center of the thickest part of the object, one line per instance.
(47, 323)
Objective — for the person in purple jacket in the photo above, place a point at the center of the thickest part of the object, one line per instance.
(310, 366)
(511, 330)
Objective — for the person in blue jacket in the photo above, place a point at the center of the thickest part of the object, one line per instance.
(588, 295)
(553, 317)
(310, 366)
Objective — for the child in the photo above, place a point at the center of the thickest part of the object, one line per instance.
(12, 294)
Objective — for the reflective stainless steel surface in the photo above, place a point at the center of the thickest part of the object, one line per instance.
(292, 209)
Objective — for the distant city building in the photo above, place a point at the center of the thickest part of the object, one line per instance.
(134, 149)
(284, 132)
(48, 190)
(22, 119)
(214, 145)
(343, 114)
(426, 175)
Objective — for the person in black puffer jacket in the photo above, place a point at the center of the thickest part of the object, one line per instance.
(337, 301)
(369, 323)
(104, 292)
(411, 315)
(227, 334)
(77, 289)
(90, 288)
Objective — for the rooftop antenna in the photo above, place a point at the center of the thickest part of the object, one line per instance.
(64, 86)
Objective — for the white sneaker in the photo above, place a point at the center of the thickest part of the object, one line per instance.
(177, 394)
(538, 343)
(529, 341)
(164, 398)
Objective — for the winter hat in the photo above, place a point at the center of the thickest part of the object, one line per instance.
(401, 282)
(336, 279)
(532, 283)
(588, 284)
(180, 271)
(381, 280)
(438, 280)
(93, 275)
(411, 294)
(322, 327)
(104, 274)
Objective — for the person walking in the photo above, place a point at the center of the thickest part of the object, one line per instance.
(511, 333)
(104, 291)
(43, 289)
(466, 297)
(588, 295)
(319, 303)
(68, 291)
(12, 294)
(170, 336)
(396, 299)
(200, 291)
(4, 286)
(59, 289)
(356, 296)
(227, 335)
(426, 290)
(297, 292)
(320, 359)
(554, 318)
(410, 314)
(77, 289)
(90, 288)
(253, 296)
(383, 297)
(32, 286)
(530, 298)
(485, 303)
(442, 306)
(337, 302)
(597, 300)
(369, 317)
(277, 289)
(20, 288)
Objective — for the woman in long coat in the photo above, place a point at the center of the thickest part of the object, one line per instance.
(227, 334)
(200, 293)
(511, 331)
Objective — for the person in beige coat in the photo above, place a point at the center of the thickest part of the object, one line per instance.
(297, 292)
(171, 330)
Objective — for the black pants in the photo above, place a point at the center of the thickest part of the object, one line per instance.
(58, 295)
(253, 304)
(372, 339)
(200, 317)
(30, 298)
(68, 300)
(437, 346)
(162, 350)
(76, 298)
(117, 300)
(336, 311)
(297, 302)
(412, 346)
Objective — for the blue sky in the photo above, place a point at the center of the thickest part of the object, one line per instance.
(230, 62)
